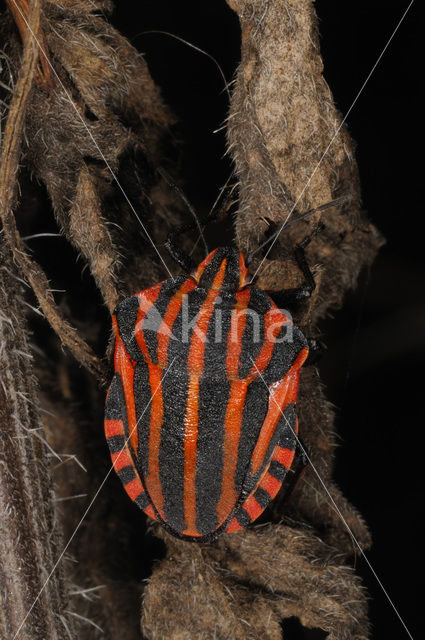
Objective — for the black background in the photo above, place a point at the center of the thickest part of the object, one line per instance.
(373, 366)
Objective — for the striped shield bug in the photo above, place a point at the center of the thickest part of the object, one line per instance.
(200, 415)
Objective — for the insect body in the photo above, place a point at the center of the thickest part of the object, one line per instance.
(200, 415)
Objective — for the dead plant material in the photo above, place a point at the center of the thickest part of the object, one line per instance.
(245, 585)
(30, 540)
(95, 144)
(66, 145)
(20, 10)
(97, 140)
(11, 146)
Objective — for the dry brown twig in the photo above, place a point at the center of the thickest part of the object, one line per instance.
(27, 513)
(105, 107)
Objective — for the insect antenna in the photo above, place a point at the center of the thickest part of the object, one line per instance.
(182, 196)
(192, 46)
(178, 255)
(215, 213)
(328, 205)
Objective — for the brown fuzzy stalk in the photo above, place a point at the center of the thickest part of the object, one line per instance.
(29, 537)
(94, 141)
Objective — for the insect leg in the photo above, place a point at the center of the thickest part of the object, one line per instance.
(299, 294)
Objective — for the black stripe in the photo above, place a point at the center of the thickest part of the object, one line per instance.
(155, 315)
(211, 270)
(283, 433)
(254, 334)
(113, 407)
(126, 314)
(284, 353)
(262, 497)
(116, 443)
(254, 413)
(243, 517)
(287, 423)
(182, 330)
(143, 400)
(175, 337)
(277, 470)
(232, 275)
(142, 500)
(171, 451)
(268, 454)
(217, 335)
(231, 278)
(213, 398)
(126, 474)
(124, 413)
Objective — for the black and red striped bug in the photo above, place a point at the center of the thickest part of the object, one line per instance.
(201, 412)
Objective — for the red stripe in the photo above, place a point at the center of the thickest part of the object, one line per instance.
(121, 459)
(190, 456)
(284, 456)
(195, 361)
(150, 512)
(274, 319)
(270, 484)
(243, 272)
(204, 264)
(235, 405)
(282, 393)
(233, 526)
(252, 507)
(113, 428)
(152, 479)
(134, 488)
(232, 432)
(124, 365)
(277, 403)
(115, 325)
(293, 389)
(237, 328)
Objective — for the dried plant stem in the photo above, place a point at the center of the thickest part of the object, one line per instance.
(29, 539)
(11, 148)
